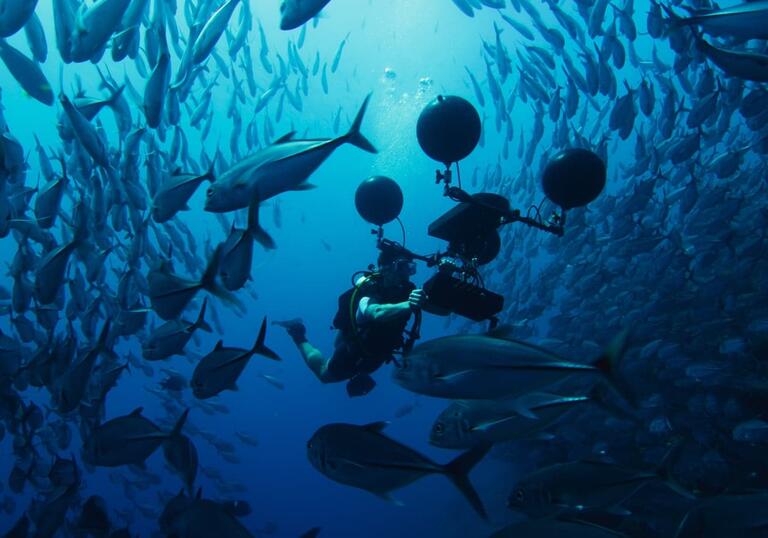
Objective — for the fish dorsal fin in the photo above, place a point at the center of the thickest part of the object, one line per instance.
(285, 138)
(377, 427)
(503, 332)
(137, 412)
(219, 345)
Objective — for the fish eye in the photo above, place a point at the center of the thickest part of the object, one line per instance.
(209, 192)
(439, 428)
(519, 495)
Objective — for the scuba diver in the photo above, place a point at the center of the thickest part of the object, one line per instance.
(372, 320)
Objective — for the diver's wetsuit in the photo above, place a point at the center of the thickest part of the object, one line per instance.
(362, 347)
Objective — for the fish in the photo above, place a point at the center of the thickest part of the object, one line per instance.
(93, 28)
(155, 93)
(170, 294)
(337, 56)
(93, 517)
(212, 31)
(126, 440)
(14, 14)
(466, 423)
(172, 336)
(86, 133)
(748, 20)
(495, 365)
(283, 166)
(49, 275)
(237, 251)
(365, 458)
(465, 7)
(744, 65)
(181, 454)
(197, 518)
(220, 369)
(174, 193)
(579, 485)
(69, 389)
(295, 13)
(27, 73)
(555, 528)
(725, 515)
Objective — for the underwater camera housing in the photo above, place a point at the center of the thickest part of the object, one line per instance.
(448, 130)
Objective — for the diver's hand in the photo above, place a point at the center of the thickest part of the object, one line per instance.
(417, 299)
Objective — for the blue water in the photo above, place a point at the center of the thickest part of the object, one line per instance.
(322, 241)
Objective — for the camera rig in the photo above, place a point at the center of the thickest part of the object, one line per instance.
(448, 130)
(471, 229)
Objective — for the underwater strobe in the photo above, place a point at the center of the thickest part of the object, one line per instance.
(448, 130)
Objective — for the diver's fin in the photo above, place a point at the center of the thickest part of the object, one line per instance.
(354, 136)
(458, 472)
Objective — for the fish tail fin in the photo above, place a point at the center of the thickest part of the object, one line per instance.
(458, 472)
(354, 136)
(664, 469)
(208, 282)
(103, 345)
(609, 364)
(255, 229)
(201, 323)
(115, 96)
(675, 20)
(210, 174)
(180, 423)
(261, 348)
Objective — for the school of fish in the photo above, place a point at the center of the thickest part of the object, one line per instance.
(629, 375)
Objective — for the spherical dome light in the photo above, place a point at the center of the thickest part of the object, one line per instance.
(379, 200)
(448, 129)
(574, 178)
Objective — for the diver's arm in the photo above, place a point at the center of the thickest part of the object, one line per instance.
(384, 312)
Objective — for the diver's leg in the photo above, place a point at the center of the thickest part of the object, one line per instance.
(311, 355)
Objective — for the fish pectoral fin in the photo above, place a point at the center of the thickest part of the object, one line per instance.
(485, 426)
(376, 426)
(618, 510)
(304, 187)
(519, 407)
(452, 376)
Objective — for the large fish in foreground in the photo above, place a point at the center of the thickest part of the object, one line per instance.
(365, 458)
(477, 366)
(748, 20)
(466, 423)
(283, 166)
(745, 65)
(294, 13)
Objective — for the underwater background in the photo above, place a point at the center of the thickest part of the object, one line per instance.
(672, 250)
